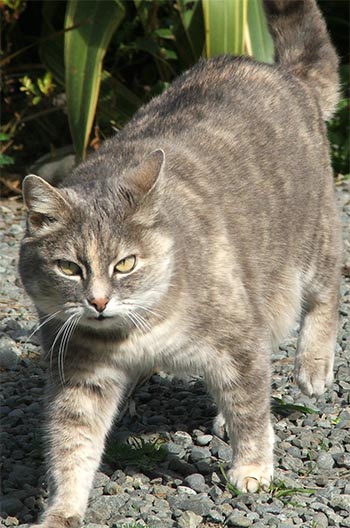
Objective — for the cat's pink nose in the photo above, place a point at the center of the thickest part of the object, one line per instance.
(100, 304)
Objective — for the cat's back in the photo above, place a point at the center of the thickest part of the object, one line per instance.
(231, 93)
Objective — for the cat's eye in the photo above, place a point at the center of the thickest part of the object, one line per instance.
(69, 268)
(125, 265)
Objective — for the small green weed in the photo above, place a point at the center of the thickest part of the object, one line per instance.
(228, 484)
(279, 489)
(137, 452)
(283, 408)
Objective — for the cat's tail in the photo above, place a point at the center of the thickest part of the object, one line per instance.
(303, 46)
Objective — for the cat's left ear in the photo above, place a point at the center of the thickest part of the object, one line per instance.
(147, 174)
(46, 204)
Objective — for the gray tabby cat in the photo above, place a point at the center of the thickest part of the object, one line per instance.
(192, 241)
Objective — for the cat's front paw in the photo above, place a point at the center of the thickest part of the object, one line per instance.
(313, 376)
(59, 521)
(251, 477)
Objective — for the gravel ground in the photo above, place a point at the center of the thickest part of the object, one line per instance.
(164, 467)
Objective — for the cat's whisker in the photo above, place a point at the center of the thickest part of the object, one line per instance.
(59, 333)
(46, 318)
(144, 324)
(61, 350)
(153, 311)
(65, 342)
(136, 324)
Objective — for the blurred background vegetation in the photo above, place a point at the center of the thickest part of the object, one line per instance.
(75, 71)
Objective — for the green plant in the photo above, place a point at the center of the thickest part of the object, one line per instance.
(230, 487)
(279, 406)
(130, 525)
(279, 489)
(5, 143)
(84, 50)
(137, 452)
(237, 27)
(108, 58)
(338, 130)
(35, 90)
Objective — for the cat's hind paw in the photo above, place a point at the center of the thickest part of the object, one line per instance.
(251, 478)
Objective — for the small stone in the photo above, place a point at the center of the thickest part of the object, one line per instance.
(100, 480)
(320, 520)
(199, 504)
(112, 488)
(199, 453)
(225, 453)
(9, 353)
(215, 492)
(189, 519)
(196, 482)
(186, 490)
(10, 505)
(325, 460)
(11, 521)
(174, 449)
(343, 460)
(340, 502)
(92, 525)
(182, 438)
(21, 474)
(236, 519)
(204, 440)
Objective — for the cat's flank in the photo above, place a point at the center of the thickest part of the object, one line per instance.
(192, 241)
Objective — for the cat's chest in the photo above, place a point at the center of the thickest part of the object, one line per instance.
(167, 346)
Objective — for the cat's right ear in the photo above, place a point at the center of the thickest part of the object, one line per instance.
(45, 204)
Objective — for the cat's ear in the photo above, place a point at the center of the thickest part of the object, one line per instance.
(46, 205)
(147, 174)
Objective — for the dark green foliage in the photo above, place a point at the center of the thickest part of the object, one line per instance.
(154, 42)
(338, 130)
(137, 452)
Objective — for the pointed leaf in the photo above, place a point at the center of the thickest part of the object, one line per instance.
(225, 22)
(258, 41)
(116, 102)
(189, 31)
(84, 49)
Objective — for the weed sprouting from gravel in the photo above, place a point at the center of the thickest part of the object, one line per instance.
(137, 452)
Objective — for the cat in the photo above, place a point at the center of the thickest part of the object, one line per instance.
(192, 241)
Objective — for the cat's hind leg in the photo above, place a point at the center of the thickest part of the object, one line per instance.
(316, 344)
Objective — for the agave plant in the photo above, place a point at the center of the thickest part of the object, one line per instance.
(197, 28)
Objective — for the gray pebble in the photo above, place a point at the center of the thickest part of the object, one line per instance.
(189, 519)
(10, 505)
(325, 460)
(196, 482)
(320, 520)
(199, 453)
(199, 504)
(236, 519)
(204, 440)
(340, 502)
(182, 438)
(9, 353)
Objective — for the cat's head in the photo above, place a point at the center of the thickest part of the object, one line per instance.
(98, 252)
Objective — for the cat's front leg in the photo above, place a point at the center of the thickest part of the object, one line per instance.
(79, 416)
(241, 387)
